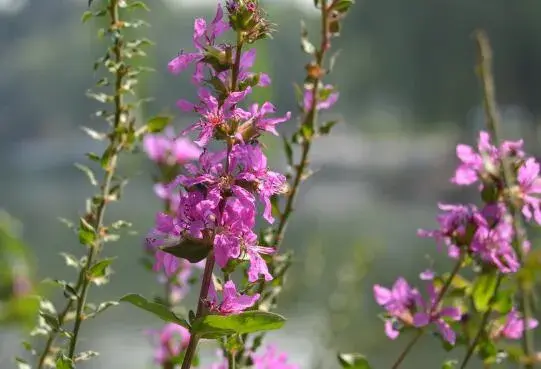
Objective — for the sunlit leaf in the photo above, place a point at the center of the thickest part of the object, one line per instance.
(159, 310)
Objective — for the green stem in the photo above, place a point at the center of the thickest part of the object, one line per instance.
(482, 327)
(203, 294)
(408, 348)
(493, 126)
(309, 120)
(116, 146)
(231, 361)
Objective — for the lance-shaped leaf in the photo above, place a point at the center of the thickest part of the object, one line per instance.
(353, 361)
(483, 290)
(99, 272)
(157, 124)
(193, 250)
(159, 310)
(212, 326)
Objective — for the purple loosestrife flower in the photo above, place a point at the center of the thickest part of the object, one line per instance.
(255, 171)
(204, 35)
(263, 123)
(327, 97)
(529, 184)
(170, 341)
(486, 162)
(232, 301)
(492, 241)
(432, 312)
(398, 302)
(272, 359)
(213, 114)
(457, 224)
(219, 183)
(167, 149)
(513, 327)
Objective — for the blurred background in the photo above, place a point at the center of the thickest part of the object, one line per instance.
(408, 96)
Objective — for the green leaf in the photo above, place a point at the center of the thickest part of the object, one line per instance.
(22, 364)
(342, 6)
(69, 291)
(161, 311)
(449, 364)
(87, 236)
(138, 5)
(353, 361)
(212, 326)
(325, 128)
(104, 306)
(307, 131)
(64, 362)
(86, 16)
(99, 272)
(483, 289)
(190, 249)
(88, 173)
(503, 302)
(157, 124)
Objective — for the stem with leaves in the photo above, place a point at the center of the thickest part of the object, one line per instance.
(483, 325)
(92, 230)
(493, 126)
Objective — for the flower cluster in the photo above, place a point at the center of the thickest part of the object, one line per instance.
(218, 195)
(405, 306)
(483, 237)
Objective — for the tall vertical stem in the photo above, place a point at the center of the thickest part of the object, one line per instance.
(493, 126)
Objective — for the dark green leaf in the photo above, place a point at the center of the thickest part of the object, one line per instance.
(64, 362)
(325, 128)
(138, 5)
(69, 291)
(212, 326)
(99, 272)
(88, 172)
(353, 361)
(157, 124)
(483, 289)
(190, 249)
(161, 311)
(50, 319)
(87, 235)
